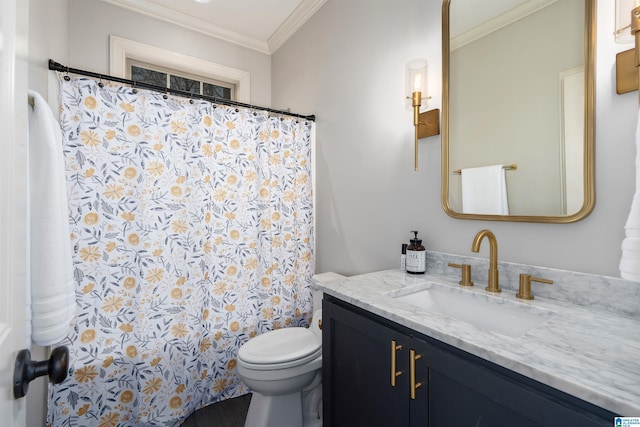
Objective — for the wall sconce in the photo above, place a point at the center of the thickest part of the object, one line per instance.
(623, 20)
(627, 31)
(427, 123)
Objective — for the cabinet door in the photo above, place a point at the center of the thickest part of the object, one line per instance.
(457, 391)
(419, 392)
(357, 370)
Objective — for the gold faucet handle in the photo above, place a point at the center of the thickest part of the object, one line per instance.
(466, 274)
(525, 285)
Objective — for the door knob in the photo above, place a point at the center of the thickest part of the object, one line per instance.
(26, 370)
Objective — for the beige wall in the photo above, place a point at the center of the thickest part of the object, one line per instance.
(346, 65)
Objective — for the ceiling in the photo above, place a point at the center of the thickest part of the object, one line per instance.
(262, 25)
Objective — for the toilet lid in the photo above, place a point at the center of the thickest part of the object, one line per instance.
(280, 346)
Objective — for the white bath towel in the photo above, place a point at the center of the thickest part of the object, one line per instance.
(484, 191)
(52, 287)
(630, 260)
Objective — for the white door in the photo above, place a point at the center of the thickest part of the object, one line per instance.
(13, 213)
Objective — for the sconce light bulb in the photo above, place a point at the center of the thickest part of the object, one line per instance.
(417, 80)
(416, 77)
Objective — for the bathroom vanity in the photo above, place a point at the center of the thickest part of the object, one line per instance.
(390, 360)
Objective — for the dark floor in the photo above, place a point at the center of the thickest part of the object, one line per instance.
(228, 413)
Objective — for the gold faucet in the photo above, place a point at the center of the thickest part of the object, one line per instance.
(493, 257)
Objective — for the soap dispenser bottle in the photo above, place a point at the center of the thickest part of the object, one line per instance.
(416, 256)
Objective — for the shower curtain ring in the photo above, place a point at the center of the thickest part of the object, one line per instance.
(134, 90)
(66, 75)
(100, 84)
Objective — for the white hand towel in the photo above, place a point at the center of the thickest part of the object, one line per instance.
(484, 191)
(52, 286)
(630, 260)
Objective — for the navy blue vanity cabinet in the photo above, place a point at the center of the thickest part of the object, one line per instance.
(357, 369)
(440, 385)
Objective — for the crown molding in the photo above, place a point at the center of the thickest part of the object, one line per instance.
(498, 22)
(298, 17)
(192, 23)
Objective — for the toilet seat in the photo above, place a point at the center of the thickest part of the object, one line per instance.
(280, 349)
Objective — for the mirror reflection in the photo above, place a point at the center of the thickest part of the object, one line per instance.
(518, 97)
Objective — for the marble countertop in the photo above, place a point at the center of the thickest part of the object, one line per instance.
(589, 353)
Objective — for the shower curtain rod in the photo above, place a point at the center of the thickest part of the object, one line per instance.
(55, 66)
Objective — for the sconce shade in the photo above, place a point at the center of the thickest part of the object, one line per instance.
(623, 20)
(416, 76)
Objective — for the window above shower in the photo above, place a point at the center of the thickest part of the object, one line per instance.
(161, 67)
(174, 79)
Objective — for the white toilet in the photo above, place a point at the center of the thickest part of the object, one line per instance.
(283, 368)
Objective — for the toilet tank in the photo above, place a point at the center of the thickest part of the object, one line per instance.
(317, 295)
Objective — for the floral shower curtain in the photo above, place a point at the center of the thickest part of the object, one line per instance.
(192, 231)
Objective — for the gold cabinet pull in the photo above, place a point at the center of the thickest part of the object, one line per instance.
(412, 374)
(394, 374)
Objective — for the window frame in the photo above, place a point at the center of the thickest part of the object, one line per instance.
(121, 50)
(202, 80)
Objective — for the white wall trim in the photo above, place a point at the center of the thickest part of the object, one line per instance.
(121, 49)
(572, 139)
(498, 22)
(298, 17)
(191, 22)
(14, 213)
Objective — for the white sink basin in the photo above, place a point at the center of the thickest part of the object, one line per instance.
(482, 310)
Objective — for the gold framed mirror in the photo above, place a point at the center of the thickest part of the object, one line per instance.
(518, 96)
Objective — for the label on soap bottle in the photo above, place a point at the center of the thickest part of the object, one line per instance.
(416, 261)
